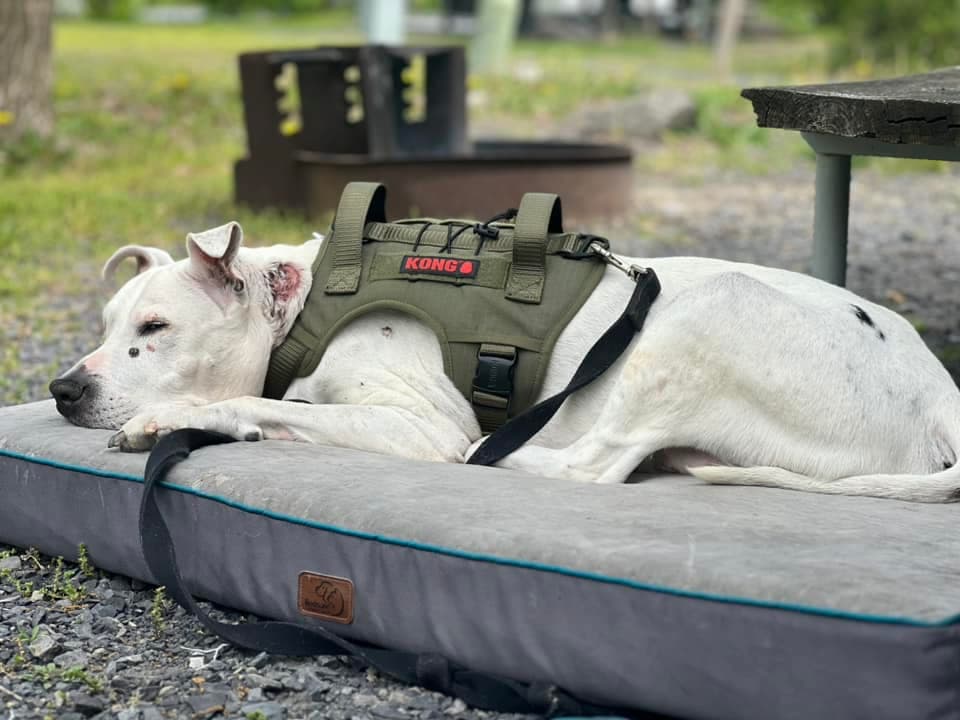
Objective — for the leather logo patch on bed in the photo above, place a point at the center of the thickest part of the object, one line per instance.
(326, 597)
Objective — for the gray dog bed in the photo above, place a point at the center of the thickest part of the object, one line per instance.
(666, 595)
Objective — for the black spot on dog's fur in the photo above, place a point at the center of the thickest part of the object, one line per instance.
(134, 352)
(863, 317)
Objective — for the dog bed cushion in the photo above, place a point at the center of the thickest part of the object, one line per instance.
(666, 595)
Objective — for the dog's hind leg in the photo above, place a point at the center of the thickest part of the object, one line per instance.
(592, 458)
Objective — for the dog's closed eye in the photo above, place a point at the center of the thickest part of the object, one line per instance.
(151, 326)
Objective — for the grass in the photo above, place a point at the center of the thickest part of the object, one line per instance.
(149, 123)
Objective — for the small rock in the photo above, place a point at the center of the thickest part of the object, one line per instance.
(269, 710)
(72, 659)
(121, 683)
(87, 705)
(388, 713)
(207, 704)
(644, 116)
(118, 601)
(295, 683)
(260, 660)
(255, 695)
(267, 683)
(128, 714)
(398, 697)
(104, 610)
(457, 707)
(149, 712)
(423, 702)
(364, 699)
(11, 563)
(43, 646)
(319, 689)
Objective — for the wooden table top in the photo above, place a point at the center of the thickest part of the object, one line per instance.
(913, 109)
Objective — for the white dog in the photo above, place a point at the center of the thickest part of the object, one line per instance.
(742, 375)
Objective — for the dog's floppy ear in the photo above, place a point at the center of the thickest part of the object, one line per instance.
(212, 252)
(146, 257)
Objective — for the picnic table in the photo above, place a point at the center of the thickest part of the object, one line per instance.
(915, 116)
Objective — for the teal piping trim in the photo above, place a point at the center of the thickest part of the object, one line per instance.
(493, 559)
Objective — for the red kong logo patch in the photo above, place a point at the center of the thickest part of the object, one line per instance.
(446, 266)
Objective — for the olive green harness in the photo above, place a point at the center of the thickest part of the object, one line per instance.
(497, 295)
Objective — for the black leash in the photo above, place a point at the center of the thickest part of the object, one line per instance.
(432, 671)
(604, 353)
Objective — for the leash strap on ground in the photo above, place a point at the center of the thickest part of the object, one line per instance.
(429, 670)
(604, 353)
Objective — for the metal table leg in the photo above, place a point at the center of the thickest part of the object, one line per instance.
(830, 218)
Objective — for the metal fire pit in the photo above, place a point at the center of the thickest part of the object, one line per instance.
(360, 119)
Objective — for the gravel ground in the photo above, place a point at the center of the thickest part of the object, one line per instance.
(97, 645)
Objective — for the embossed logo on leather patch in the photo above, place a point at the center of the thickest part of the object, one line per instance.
(326, 597)
(431, 265)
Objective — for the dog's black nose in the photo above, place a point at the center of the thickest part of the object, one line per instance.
(67, 392)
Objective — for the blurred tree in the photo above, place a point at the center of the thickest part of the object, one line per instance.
(731, 19)
(26, 71)
(907, 33)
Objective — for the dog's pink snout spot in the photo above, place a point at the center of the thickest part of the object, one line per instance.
(94, 364)
(151, 348)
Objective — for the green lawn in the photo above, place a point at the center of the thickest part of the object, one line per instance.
(149, 124)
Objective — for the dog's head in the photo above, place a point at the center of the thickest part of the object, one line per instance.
(194, 331)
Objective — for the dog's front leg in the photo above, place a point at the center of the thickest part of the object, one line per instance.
(413, 432)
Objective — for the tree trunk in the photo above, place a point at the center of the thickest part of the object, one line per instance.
(26, 70)
(731, 19)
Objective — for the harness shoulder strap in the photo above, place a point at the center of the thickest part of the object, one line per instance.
(539, 215)
(361, 202)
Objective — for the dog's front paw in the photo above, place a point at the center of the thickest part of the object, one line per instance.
(142, 432)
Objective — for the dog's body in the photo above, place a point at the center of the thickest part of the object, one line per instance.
(742, 374)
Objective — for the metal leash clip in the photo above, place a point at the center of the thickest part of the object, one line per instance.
(634, 272)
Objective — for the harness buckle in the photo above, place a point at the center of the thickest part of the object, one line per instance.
(585, 247)
(493, 379)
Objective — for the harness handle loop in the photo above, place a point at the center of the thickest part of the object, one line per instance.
(538, 215)
(360, 203)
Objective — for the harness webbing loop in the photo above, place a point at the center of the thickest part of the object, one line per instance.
(539, 214)
(361, 202)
